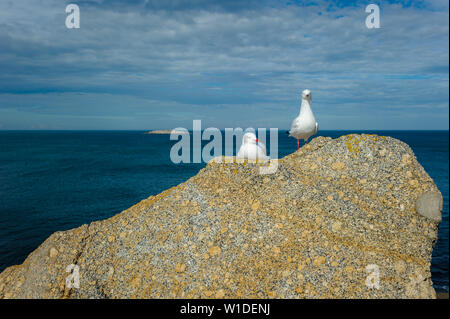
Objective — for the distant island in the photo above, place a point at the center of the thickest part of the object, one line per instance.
(167, 132)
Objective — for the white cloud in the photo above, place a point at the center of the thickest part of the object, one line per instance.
(206, 62)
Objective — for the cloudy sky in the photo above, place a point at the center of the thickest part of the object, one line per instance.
(146, 64)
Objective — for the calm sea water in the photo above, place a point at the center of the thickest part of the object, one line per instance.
(58, 180)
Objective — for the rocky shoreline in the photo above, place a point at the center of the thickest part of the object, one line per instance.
(352, 217)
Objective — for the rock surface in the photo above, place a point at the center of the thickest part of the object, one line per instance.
(333, 214)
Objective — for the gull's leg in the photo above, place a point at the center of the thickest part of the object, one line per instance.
(298, 144)
(306, 141)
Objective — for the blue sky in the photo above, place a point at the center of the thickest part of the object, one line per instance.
(161, 64)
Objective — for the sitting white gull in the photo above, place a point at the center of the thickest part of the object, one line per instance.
(304, 125)
(252, 148)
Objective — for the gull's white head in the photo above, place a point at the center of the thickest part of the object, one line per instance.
(306, 94)
(249, 138)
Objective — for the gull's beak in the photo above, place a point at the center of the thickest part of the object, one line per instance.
(257, 141)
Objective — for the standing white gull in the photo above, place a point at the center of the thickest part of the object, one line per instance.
(304, 125)
(252, 148)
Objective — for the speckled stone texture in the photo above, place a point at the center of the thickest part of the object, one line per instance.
(308, 231)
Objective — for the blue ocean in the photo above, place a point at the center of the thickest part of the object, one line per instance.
(58, 180)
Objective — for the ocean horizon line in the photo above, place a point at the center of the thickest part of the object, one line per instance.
(149, 130)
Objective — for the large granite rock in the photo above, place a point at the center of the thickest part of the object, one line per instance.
(334, 213)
